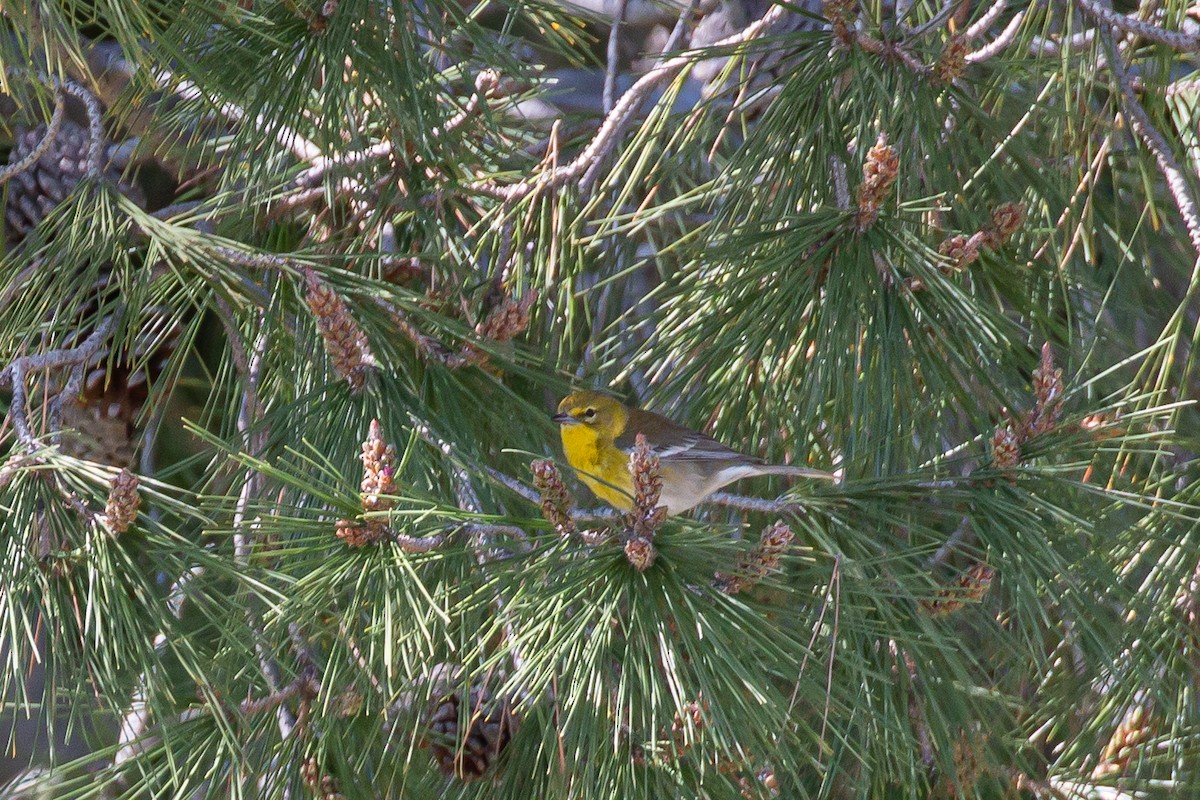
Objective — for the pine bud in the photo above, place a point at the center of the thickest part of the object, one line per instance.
(690, 717)
(310, 772)
(647, 485)
(508, 320)
(970, 587)
(953, 60)
(841, 15)
(360, 534)
(646, 516)
(1007, 219)
(121, 510)
(322, 786)
(641, 553)
(345, 342)
(504, 323)
(1006, 448)
(1136, 728)
(379, 470)
(556, 500)
(960, 251)
(880, 169)
(348, 703)
(1047, 394)
(759, 562)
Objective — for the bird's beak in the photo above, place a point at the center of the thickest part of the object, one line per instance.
(564, 419)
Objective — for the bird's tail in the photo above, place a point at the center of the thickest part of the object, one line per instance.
(799, 472)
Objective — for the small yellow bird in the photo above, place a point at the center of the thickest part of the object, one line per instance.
(599, 432)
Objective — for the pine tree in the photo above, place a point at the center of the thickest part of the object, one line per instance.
(290, 289)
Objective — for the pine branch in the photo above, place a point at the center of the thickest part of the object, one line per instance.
(605, 140)
(285, 137)
(134, 724)
(52, 131)
(1108, 18)
(483, 539)
(255, 434)
(1151, 137)
(1001, 43)
(981, 26)
(79, 358)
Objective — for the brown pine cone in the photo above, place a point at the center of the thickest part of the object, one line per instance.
(34, 192)
(103, 419)
(489, 722)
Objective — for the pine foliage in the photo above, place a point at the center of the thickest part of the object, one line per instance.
(289, 289)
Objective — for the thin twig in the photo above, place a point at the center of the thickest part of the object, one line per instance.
(950, 545)
(75, 377)
(1154, 141)
(514, 485)
(79, 358)
(137, 717)
(233, 336)
(944, 13)
(67, 356)
(254, 436)
(415, 544)
(302, 685)
(1069, 791)
(835, 577)
(623, 111)
(1177, 40)
(981, 26)
(322, 166)
(486, 83)
(287, 138)
(892, 51)
(95, 127)
(680, 26)
(177, 209)
(754, 503)
(532, 496)
(1051, 48)
(18, 406)
(610, 66)
(260, 260)
(1182, 86)
(95, 123)
(14, 465)
(841, 186)
(1000, 43)
(52, 131)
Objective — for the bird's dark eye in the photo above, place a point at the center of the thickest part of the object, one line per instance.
(589, 413)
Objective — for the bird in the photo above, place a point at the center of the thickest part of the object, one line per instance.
(599, 432)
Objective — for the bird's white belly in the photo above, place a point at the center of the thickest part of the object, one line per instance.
(684, 485)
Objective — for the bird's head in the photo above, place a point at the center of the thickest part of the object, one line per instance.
(593, 409)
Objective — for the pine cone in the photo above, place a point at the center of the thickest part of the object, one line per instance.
(490, 725)
(103, 421)
(34, 192)
(104, 417)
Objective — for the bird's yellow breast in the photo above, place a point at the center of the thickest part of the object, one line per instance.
(599, 464)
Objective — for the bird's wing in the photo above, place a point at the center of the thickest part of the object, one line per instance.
(677, 443)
